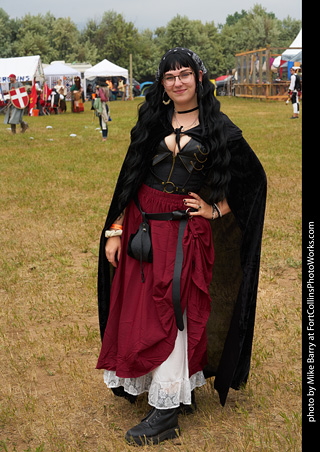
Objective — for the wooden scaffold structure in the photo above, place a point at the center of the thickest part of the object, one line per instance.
(257, 77)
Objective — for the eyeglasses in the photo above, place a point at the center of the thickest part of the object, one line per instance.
(184, 77)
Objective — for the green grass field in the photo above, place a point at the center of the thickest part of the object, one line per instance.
(55, 190)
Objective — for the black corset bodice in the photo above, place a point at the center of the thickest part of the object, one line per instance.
(178, 173)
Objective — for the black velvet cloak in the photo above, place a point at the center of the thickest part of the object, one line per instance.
(237, 240)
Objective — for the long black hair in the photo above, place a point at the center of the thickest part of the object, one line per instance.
(153, 117)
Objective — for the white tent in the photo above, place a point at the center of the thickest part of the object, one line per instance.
(105, 69)
(291, 54)
(294, 54)
(57, 70)
(60, 70)
(26, 69)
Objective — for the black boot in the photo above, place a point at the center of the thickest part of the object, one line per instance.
(157, 426)
(120, 392)
(188, 409)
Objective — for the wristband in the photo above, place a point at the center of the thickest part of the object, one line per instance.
(113, 233)
(116, 226)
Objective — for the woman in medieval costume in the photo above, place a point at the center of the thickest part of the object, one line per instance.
(102, 110)
(195, 182)
(76, 96)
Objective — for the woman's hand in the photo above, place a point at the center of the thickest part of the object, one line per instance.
(202, 208)
(113, 245)
(113, 250)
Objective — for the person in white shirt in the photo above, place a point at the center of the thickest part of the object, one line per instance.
(294, 91)
(62, 91)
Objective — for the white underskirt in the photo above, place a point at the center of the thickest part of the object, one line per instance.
(169, 384)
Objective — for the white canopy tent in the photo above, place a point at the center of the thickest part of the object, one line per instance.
(105, 69)
(57, 70)
(26, 69)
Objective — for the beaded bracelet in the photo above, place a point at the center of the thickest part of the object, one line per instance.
(218, 210)
(215, 209)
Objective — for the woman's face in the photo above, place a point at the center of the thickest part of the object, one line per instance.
(182, 89)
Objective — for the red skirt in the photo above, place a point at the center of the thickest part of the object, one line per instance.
(141, 329)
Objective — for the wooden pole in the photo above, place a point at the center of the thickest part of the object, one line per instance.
(130, 69)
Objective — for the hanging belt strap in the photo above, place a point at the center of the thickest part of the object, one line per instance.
(176, 289)
(181, 216)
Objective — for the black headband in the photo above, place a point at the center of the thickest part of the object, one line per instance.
(189, 52)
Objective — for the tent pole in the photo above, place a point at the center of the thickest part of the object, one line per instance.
(131, 94)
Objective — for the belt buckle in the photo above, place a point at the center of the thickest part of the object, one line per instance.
(187, 212)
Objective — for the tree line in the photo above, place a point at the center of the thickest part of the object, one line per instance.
(114, 38)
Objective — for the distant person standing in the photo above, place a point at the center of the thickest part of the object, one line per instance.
(121, 88)
(102, 109)
(14, 115)
(62, 91)
(110, 86)
(295, 92)
(76, 96)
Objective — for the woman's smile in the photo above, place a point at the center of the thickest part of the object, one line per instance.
(179, 91)
(182, 91)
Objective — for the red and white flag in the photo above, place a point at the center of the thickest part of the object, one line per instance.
(33, 97)
(19, 97)
(46, 92)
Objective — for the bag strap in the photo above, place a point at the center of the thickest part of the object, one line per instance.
(144, 215)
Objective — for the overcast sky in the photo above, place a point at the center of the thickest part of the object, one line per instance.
(149, 13)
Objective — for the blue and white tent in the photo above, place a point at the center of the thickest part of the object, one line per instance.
(292, 54)
(26, 69)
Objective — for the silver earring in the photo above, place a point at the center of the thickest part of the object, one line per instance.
(165, 102)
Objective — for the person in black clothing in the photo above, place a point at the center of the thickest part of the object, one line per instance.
(201, 189)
